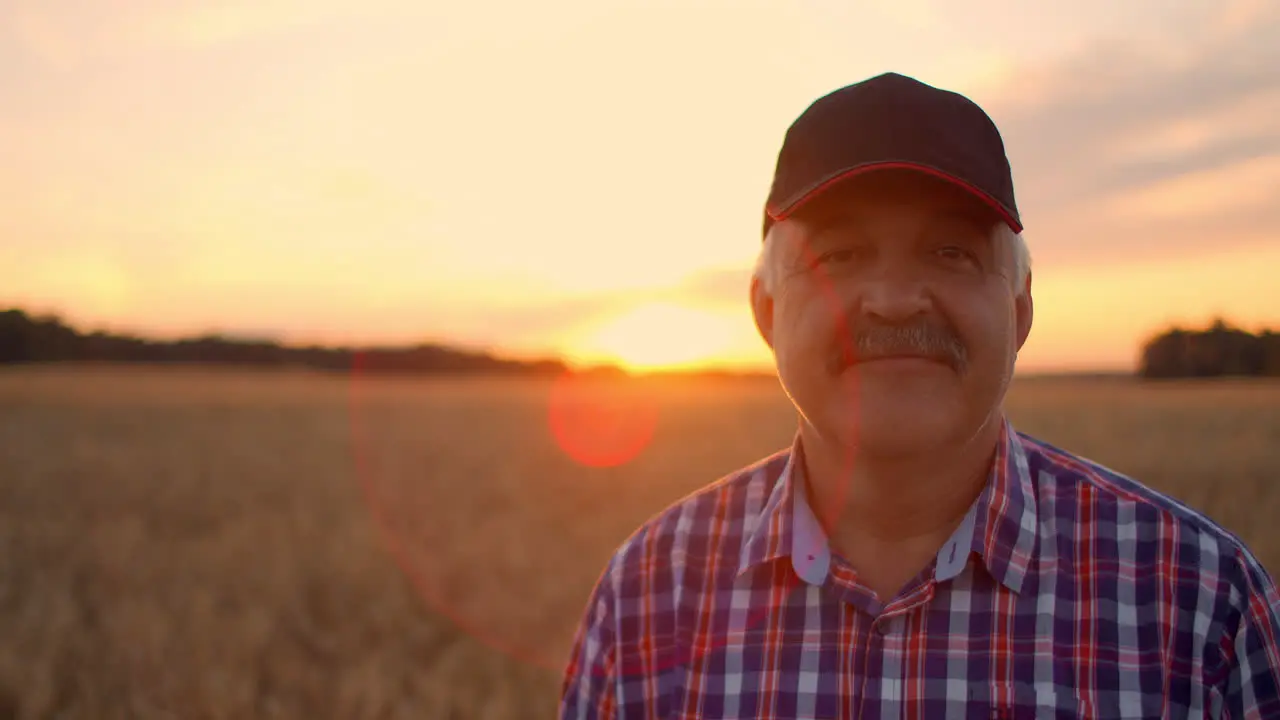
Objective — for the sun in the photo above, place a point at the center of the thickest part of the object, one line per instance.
(659, 336)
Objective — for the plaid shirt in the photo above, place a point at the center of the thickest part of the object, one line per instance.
(1067, 591)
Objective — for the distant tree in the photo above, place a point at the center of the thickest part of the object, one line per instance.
(15, 328)
(1220, 350)
(24, 338)
(1165, 356)
(1270, 342)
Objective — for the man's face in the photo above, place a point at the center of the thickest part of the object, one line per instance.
(893, 316)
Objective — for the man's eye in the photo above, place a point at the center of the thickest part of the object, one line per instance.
(959, 254)
(835, 256)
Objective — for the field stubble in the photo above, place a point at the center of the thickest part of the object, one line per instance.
(214, 544)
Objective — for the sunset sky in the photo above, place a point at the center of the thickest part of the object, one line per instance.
(585, 177)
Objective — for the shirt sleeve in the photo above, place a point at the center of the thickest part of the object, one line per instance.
(589, 687)
(1251, 681)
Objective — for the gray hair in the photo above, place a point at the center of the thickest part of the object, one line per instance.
(767, 261)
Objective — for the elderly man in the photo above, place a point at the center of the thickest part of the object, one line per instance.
(912, 555)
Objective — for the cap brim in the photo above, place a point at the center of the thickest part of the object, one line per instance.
(789, 208)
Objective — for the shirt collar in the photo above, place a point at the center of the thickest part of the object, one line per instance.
(1000, 525)
(769, 533)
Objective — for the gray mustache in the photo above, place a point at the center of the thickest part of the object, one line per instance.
(929, 340)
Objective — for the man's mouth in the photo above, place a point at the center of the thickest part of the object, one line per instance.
(899, 356)
(883, 357)
(850, 358)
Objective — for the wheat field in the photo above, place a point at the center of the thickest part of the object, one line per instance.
(195, 543)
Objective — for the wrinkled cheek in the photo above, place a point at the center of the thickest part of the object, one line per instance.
(805, 344)
(990, 373)
(800, 362)
(796, 373)
(1008, 344)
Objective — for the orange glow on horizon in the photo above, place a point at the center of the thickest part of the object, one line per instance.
(658, 336)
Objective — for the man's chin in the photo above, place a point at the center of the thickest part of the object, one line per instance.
(892, 425)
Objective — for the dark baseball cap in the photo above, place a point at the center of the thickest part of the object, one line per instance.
(892, 122)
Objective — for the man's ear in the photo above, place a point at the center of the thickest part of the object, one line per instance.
(1024, 308)
(762, 309)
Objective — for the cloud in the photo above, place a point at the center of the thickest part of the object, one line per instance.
(66, 34)
(1227, 189)
(530, 326)
(202, 24)
(1123, 150)
(44, 38)
(718, 287)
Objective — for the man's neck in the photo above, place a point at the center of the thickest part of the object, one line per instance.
(884, 502)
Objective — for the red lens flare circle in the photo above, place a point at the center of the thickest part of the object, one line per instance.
(601, 422)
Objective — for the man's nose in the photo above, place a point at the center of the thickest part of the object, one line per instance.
(895, 296)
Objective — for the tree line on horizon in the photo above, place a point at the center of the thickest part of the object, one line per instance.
(1220, 350)
(30, 339)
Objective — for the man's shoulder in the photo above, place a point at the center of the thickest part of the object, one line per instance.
(715, 515)
(1065, 480)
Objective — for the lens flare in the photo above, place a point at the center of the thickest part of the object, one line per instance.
(601, 421)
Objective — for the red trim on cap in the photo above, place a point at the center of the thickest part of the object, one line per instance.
(928, 170)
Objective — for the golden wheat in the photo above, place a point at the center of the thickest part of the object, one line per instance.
(214, 544)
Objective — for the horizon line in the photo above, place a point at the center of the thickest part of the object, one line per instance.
(482, 351)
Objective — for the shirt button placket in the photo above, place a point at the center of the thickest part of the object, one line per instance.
(885, 625)
(871, 657)
(873, 661)
(889, 649)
